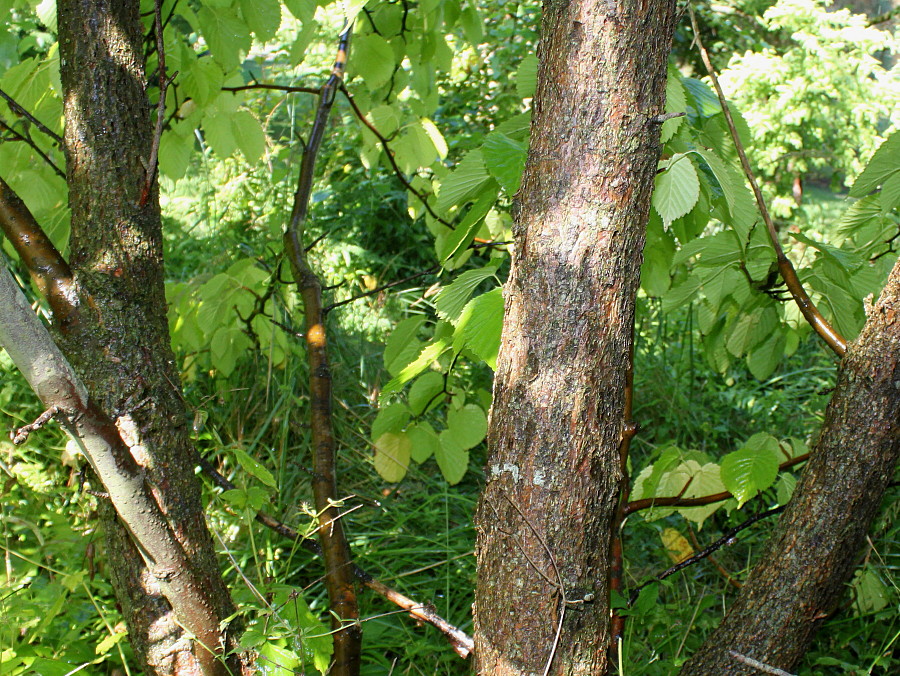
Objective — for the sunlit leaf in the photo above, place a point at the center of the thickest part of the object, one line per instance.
(392, 453)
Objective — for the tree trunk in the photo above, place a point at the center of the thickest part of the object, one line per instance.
(120, 345)
(803, 573)
(553, 475)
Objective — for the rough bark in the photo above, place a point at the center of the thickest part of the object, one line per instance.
(120, 347)
(553, 474)
(803, 573)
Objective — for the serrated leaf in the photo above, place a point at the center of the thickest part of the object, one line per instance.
(372, 58)
(705, 101)
(455, 243)
(248, 135)
(890, 193)
(254, 468)
(451, 458)
(526, 77)
(428, 354)
(467, 179)
(480, 326)
(505, 160)
(274, 660)
(738, 197)
(392, 418)
(715, 251)
(764, 358)
(402, 346)
(226, 35)
(424, 392)
(424, 440)
(174, 155)
(304, 10)
(219, 134)
(451, 300)
(263, 17)
(466, 426)
(676, 189)
(676, 102)
(646, 599)
(392, 453)
(884, 163)
(749, 471)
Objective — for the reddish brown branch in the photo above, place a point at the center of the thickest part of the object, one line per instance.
(48, 269)
(807, 308)
(335, 550)
(290, 89)
(701, 501)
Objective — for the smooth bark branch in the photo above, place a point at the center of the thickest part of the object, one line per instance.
(803, 573)
(339, 579)
(559, 417)
(808, 309)
(34, 353)
(48, 268)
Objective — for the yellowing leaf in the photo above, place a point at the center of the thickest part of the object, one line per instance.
(676, 545)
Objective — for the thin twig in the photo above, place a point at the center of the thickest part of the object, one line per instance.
(390, 155)
(28, 116)
(26, 138)
(726, 539)
(759, 666)
(429, 271)
(279, 88)
(701, 501)
(160, 106)
(807, 308)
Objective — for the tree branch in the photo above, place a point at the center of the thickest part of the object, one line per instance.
(16, 108)
(49, 374)
(26, 138)
(336, 551)
(48, 268)
(807, 308)
(461, 642)
(151, 167)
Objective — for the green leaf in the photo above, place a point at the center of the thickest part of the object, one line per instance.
(748, 471)
(274, 660)
(468, 179)
(676, 102)
(466, 426)
(890, 193)
(426, 357)
(304, 10)
(220, 134)
(505, 159)
(248, 135)
(677, 188)
(472, 25)
(391, 418)
(263, 17)
(715, 251)
(738, 197)
(647, 598)
(392, 453)
(372, 58)
(452, 459)
(763, 359)
(174, 155)
(226, 35)
(202, 81)
(402, 346)
(451, 300)
(526, 77)
(480, 326)
(884, 163)
(254, 468)
(454, 245)
(424, 392)
(705, 101)
(424, 440)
